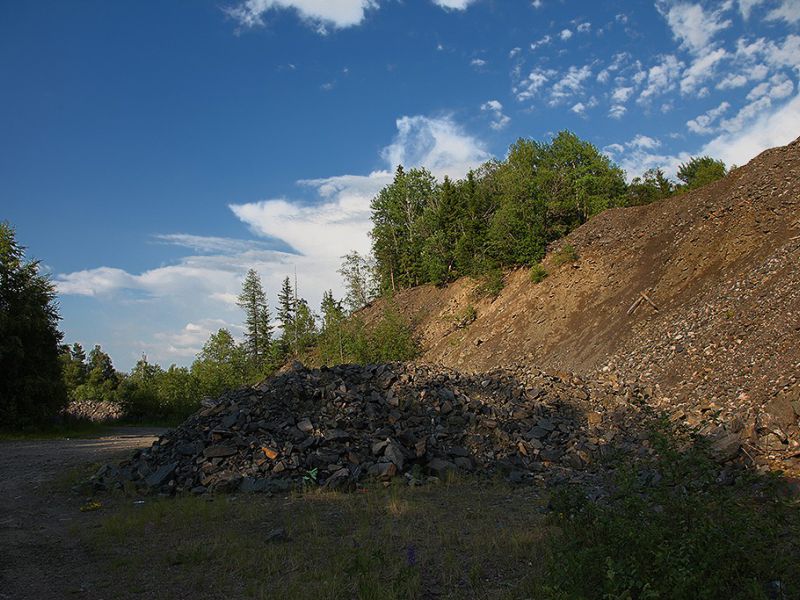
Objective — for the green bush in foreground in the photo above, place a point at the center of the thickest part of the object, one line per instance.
(673, 531)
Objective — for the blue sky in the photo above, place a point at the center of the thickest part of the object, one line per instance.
(151, 152)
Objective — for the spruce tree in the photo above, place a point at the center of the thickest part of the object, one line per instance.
(258, 329)
(31, 385)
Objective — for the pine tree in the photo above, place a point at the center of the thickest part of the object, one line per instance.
(258, 334)
(286, 302)
(31, 385)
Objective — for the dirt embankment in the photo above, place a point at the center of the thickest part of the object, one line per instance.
(718, 332)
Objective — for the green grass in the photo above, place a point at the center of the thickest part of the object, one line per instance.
(456, 540)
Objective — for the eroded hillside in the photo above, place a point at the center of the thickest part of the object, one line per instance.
(718, 332)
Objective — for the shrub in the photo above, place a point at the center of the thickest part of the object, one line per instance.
(538, 273)
(465, 316)
(670, 529)
(491, 285)
(565, 254)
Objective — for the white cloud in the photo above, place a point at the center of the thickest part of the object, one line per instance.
(565, 35)
(514, 52)
(760, 128)
(584, 27)
(617, 111)
(187, 342)
(570, 84)
(580, 108)
(701, 70)
(499, 120)
(789, 11)
(543, 41)
(771, 128)
(621, 94)
(661, 78)
(530, 86)
(746, 6)
(537, 3)
(452, 4)
(478, 63)
(692, 24)
(438, 144)
(703, 123)
(321, 14)
(643, 142)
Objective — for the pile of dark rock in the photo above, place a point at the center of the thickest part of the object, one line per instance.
(337, 426)
(95, 412)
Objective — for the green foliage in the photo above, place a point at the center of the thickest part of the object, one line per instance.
(538, 273)
(700, 171)
(491, 285)
(31, 385)
(150, 392)
(221, 365)
(500, 216)
(358, 273)
(565, 254)
(349, 340)
(651, 186)
(671, 530)
(391, 339)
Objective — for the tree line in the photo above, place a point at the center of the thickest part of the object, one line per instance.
(501, 215)
(505, 213)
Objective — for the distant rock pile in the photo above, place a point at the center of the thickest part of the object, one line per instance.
(96, 412)
(337, 426)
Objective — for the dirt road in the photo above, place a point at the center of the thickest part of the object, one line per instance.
(41, 557)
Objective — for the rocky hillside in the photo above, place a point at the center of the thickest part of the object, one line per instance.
(697, 295)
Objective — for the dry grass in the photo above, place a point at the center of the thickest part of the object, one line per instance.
(456, 540)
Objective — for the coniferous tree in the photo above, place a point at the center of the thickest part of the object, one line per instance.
(258, 330)
(301, 332)
(31, 385)
(331, 342)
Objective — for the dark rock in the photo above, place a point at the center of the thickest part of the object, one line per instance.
(161, 475)
(218, 451)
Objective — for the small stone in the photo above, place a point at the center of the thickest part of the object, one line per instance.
(277, 535)
(305, 426)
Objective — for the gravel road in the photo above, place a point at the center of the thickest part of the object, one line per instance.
(41, 558)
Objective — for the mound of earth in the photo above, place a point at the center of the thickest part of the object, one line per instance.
(696, 296)
(337, 426)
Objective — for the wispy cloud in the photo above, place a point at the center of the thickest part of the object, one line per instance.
(320, 15)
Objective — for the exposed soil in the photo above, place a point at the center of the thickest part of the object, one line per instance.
(42, 556)
(719, 332)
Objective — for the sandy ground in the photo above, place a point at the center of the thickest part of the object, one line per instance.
(40, 556)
